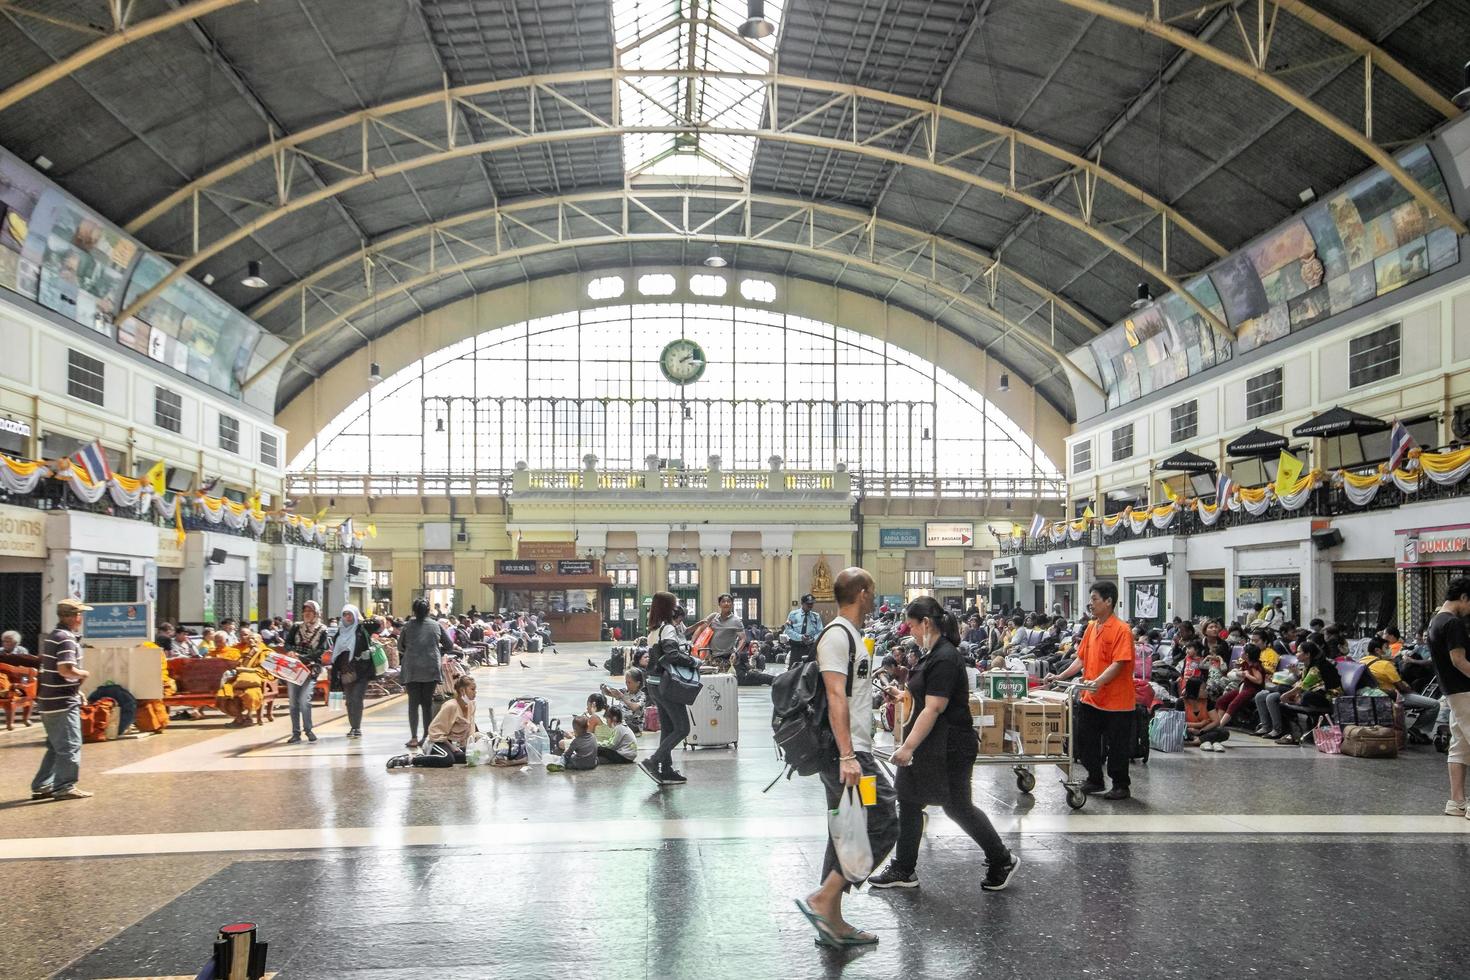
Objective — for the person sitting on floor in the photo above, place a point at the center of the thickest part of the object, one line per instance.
(1202, 720)
(633, 698)
(596, 707)
(581, 749)
(615, 740)
(747, 672)
(450, 731)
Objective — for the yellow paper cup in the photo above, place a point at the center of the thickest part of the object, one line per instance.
(868, 790)
(868, 642)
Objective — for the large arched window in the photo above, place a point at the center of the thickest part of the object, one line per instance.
(551, 390)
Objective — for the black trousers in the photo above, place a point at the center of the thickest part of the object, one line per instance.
(960, 808)
(1104, 735)
(420, 704)
(606, 754)
(882, 817)
(673, 722)
(439, 755)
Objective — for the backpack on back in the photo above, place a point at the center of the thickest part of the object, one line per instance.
(803, 733)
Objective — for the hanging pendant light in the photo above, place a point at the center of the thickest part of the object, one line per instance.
(253, 279)
(1145, 296)
(756, 25)
(714, 260)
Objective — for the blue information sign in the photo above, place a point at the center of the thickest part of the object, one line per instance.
(116, 621)
(898, 537)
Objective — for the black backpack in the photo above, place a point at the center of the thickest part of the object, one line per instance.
(804, 740)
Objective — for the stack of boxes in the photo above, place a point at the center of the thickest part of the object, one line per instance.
(1011, 719)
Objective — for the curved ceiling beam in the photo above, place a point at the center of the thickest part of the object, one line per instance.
(930, 116)
(365, 174)
(859, 231)
(1149, 24)
(969, 303)
(121, 35)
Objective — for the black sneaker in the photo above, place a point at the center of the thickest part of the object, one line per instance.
(672, 778)
(651, 772)
(997, 876)
(1090, 787)
(1117, 793)
(891, 877)
(293, 739)
(311, 736)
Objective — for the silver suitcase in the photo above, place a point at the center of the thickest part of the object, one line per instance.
(714, 717)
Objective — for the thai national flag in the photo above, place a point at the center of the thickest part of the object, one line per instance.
(1222, 489)
(1038, 524)
(1399, 444)
(93, 460)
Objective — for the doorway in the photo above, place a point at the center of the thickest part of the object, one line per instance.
(168, 601)
(745, 590)
(20, 607)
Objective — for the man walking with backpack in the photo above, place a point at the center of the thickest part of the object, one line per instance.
(845, 665)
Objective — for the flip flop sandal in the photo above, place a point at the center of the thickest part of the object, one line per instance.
(825, 935)
(857, 938)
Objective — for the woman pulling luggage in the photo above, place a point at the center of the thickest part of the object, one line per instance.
(937, 758)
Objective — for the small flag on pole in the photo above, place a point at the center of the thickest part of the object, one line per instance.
(1223, 487)
(179, 519)
(1288, 471)
(1038, 524)
(345, 529)
(1169, 492)
(155, 478)
(1399, 444)
(1087, 513)
(93, 461)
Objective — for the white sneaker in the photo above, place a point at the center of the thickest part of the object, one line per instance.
(1211, 747)
(1219, 746)
(1456, 809)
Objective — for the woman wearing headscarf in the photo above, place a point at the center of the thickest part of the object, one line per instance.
(352, 663)
(306, 640)
(419, 646)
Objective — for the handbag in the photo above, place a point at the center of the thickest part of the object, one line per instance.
(1166, 731)
(1327, 737)
(848, 827)
(1369, 742)
(680, 684)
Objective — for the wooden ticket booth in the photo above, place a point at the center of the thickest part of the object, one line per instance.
(568, 593)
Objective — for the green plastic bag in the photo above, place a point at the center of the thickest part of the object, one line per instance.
(380, 660)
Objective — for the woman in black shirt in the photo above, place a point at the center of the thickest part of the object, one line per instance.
(937, 758)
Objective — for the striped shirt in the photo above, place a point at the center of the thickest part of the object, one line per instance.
(56, 693)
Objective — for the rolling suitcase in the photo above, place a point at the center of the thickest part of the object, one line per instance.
(1141, 719)
(534, 644)
(536, 710)
(502, 651)
(714, 717)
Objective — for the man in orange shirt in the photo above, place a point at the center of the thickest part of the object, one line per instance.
(1103, 726)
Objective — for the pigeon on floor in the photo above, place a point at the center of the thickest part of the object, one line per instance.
(591, 664)
(523, 664)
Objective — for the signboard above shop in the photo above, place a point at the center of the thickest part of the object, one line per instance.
(515, 566)
(1438, 549)
(949, 581)
(116, 621)
(544, 550)
(898, 537)
(1062, 574)
(576, 566)
(949, 534)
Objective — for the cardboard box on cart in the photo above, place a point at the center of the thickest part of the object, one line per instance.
(989, 717)
(1005, 685)
(1036, 727)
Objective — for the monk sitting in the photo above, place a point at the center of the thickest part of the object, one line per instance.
(242, 690)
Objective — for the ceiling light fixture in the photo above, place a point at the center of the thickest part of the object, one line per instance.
(253, 278)
(714, 260)
(1145, 296)
(1005, 381)
(375, 374)
(42, 162)
(756, 25)
(438, 425)
(1308, 195)
(1461, 99)
(208, 278)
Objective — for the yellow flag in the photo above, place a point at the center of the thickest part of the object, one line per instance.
(1288, 471)
(1017, 531)
(155, 478)
(1169, 491)
(1087, 513)
(179, 519)
(320, 514)
(372, 530)
(253, 502)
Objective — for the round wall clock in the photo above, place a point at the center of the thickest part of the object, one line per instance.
(682, 361)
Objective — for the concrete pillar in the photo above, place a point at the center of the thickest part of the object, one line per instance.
(769, 604)
(1317, 593)
(722, 572)
(708, 581)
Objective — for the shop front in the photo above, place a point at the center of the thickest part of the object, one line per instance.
(569, 594)
(22, 572)
(1251, 590)
(950, 591)
(1061, 585)
(1428, 560)
(1207, 596)
(100, 558)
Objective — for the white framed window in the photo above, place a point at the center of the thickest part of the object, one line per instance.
(1122, 442)
(229, 433)
(758, 290)
(1184, 421)
(656, 284)
(84, 377)
(707, 285)
(1263, 394)
(1082, 456)
(168, 409)
(1374, 356)
(270, 449)
(606, 287)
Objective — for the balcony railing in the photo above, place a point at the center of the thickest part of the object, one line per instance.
(1326, 501)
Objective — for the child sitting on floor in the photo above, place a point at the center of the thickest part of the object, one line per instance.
(581, 751)
(615, 740)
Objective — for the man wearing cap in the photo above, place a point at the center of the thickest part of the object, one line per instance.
(59, 698)
(802, 628)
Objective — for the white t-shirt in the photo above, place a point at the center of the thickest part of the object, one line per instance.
(832, 655)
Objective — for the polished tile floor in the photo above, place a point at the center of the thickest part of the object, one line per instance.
(1262, 859)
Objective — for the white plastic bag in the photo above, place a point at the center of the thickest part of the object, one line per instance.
(848, 825)
(538, 746)
(479, 751)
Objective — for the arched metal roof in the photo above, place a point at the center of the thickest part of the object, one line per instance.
(1010, 167)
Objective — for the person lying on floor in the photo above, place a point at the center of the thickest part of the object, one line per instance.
(450, 731)
(615, 740)
(581, 749)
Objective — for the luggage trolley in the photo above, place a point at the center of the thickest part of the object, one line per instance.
(1058, 750)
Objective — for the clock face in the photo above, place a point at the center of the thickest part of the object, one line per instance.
(682, 361)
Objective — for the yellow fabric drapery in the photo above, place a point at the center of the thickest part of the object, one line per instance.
(1251, 495)
(1444, 462)
(20, 467)
(1360, 481)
